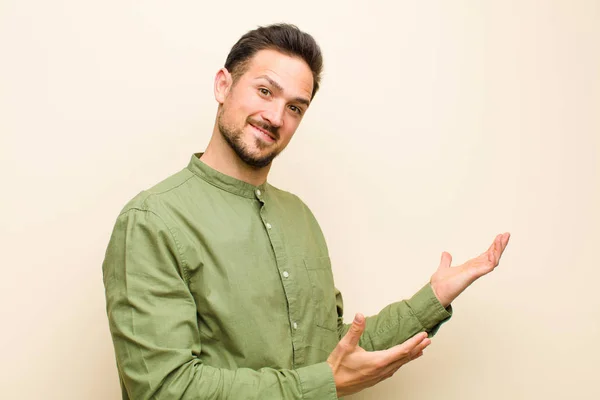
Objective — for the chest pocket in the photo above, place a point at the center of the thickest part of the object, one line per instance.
(323, 291)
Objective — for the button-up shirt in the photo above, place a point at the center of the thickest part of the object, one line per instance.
(217, 289)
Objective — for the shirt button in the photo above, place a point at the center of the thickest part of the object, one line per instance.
(285, 274)
(295, 325)
(258, 192)
(268, 225)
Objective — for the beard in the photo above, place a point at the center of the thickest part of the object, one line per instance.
(234, 137)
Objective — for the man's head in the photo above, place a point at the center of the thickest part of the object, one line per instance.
(270, 76)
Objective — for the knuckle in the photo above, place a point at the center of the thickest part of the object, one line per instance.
(345, 346)
(391, 373)
(381, 364)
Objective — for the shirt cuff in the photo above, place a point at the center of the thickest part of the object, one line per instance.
(428, 309)
(317, 382)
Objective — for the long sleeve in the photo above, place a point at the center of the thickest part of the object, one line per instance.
(399, 321)
(153, 321)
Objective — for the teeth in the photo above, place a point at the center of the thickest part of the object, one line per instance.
(263, 133)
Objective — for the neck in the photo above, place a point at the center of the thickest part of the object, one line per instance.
(221, 157)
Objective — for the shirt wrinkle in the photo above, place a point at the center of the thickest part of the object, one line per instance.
(258, 280)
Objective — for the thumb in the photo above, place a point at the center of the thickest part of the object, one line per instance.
(446, 260)
(356, 330)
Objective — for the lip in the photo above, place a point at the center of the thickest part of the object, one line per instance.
(264, 132)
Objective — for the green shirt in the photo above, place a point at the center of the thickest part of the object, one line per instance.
(218, 289)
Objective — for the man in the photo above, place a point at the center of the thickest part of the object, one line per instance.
(219, 285)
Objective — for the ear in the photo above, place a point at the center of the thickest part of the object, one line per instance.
(223, 82)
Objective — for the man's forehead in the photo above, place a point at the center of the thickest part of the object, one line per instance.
(291, 73)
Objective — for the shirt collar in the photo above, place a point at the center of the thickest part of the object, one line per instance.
(225, 182)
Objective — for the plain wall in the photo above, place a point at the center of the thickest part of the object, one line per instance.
(439, 124)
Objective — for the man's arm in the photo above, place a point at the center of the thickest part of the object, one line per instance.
(430, 307)
(152, 317)
(399, 321)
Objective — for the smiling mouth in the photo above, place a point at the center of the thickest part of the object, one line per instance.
(264, 133)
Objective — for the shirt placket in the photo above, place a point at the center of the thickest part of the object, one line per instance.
(288, 280)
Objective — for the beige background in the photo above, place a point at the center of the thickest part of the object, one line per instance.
(439, 124)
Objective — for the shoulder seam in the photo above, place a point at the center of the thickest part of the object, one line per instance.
(149, 194)
(184, 263)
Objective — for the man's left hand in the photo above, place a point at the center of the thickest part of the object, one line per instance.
(448, 282)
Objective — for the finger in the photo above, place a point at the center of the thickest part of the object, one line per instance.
(502, 243)
(493, 245)
(505, 239)
(418, 350)
(393, 367)
(486, 254)
(446, 260)
(498, 249)
(420, 347)
(495, 251)
(403, 350)
(354, 333)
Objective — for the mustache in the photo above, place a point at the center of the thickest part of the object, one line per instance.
(273, 130)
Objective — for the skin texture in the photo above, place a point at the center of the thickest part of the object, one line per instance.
(355, 369)
(257, 117)
(258, 114)
(448, 282)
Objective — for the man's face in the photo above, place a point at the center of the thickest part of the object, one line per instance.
(261, 111)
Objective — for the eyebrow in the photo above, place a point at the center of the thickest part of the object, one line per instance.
(277, 86)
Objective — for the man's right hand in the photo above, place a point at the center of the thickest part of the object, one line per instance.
(355, 369)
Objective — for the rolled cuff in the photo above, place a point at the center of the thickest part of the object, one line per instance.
(317, 382)
(428, 309)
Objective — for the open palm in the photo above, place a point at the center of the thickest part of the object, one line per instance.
(448, 282)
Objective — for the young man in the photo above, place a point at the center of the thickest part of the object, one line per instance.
(219, 285)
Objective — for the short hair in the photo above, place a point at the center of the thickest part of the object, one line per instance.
(285, 38)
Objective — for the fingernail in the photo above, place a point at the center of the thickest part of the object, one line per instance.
(358, 318)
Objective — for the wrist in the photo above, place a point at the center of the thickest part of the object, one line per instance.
(439, 294)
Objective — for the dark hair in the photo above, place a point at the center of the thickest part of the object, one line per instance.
(285, 38)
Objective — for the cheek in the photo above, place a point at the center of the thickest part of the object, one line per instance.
(247, 101)
(234, 113)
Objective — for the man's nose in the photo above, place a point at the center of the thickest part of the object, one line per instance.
(274, 114)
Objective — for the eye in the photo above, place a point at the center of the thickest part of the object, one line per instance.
(264, 91)
(297, 110)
